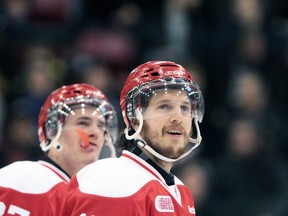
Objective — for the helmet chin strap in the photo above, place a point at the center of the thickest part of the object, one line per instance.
(142, 144)
(136, 135)
(54, 142)
(198, 139)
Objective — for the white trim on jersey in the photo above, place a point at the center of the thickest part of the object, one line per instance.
(57, 171)
(31, 177)
(130, 174)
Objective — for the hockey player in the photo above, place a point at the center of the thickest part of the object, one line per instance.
(74, 123)
(161, 107)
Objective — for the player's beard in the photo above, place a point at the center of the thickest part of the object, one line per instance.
(152, 139)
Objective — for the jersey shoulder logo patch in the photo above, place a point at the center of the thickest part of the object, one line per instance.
(191, 210)
(164, 204)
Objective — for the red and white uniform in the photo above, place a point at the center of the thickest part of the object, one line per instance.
(125, 186)
(31, 188)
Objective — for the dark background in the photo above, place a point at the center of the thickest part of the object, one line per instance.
(237, 50)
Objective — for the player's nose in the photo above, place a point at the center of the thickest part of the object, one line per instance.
(176, 115)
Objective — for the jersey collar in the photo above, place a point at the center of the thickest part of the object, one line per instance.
(168, 177)
(49, 163)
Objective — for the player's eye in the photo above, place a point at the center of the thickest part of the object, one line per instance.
(84, 123)
(164, 107)
(186, 109)
(101, 126)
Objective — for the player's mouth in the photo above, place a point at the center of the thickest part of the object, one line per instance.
(88, 144)
(91, 147)
(175, 132)
(92, 144)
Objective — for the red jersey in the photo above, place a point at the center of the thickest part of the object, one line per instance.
(29, 188)
(125, 186)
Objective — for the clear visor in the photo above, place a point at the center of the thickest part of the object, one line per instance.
(106, 115)
(169, 97)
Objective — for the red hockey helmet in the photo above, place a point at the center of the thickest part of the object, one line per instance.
(154, 75)
(60, 102)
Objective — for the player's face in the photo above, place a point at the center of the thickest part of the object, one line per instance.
(93, 124)
(168, 122)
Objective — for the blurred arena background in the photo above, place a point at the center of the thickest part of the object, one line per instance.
(237, 50)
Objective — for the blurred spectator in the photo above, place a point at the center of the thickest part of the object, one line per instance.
(249, 14)
(18, 10)
(251, 50)
(178, 26)
(107, 45)
(249, 95)
(248, 92)
(251, 177)
(40, 75)
(127, 16)
(172, 35)
(99, 75)
(50, 11)
(20, 138)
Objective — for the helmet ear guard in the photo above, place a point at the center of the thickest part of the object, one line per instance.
(53, 141)
(52, 123)
(136, 135)
(53, 129)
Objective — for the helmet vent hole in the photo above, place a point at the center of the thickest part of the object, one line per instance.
(77, 92)
(155, 74)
